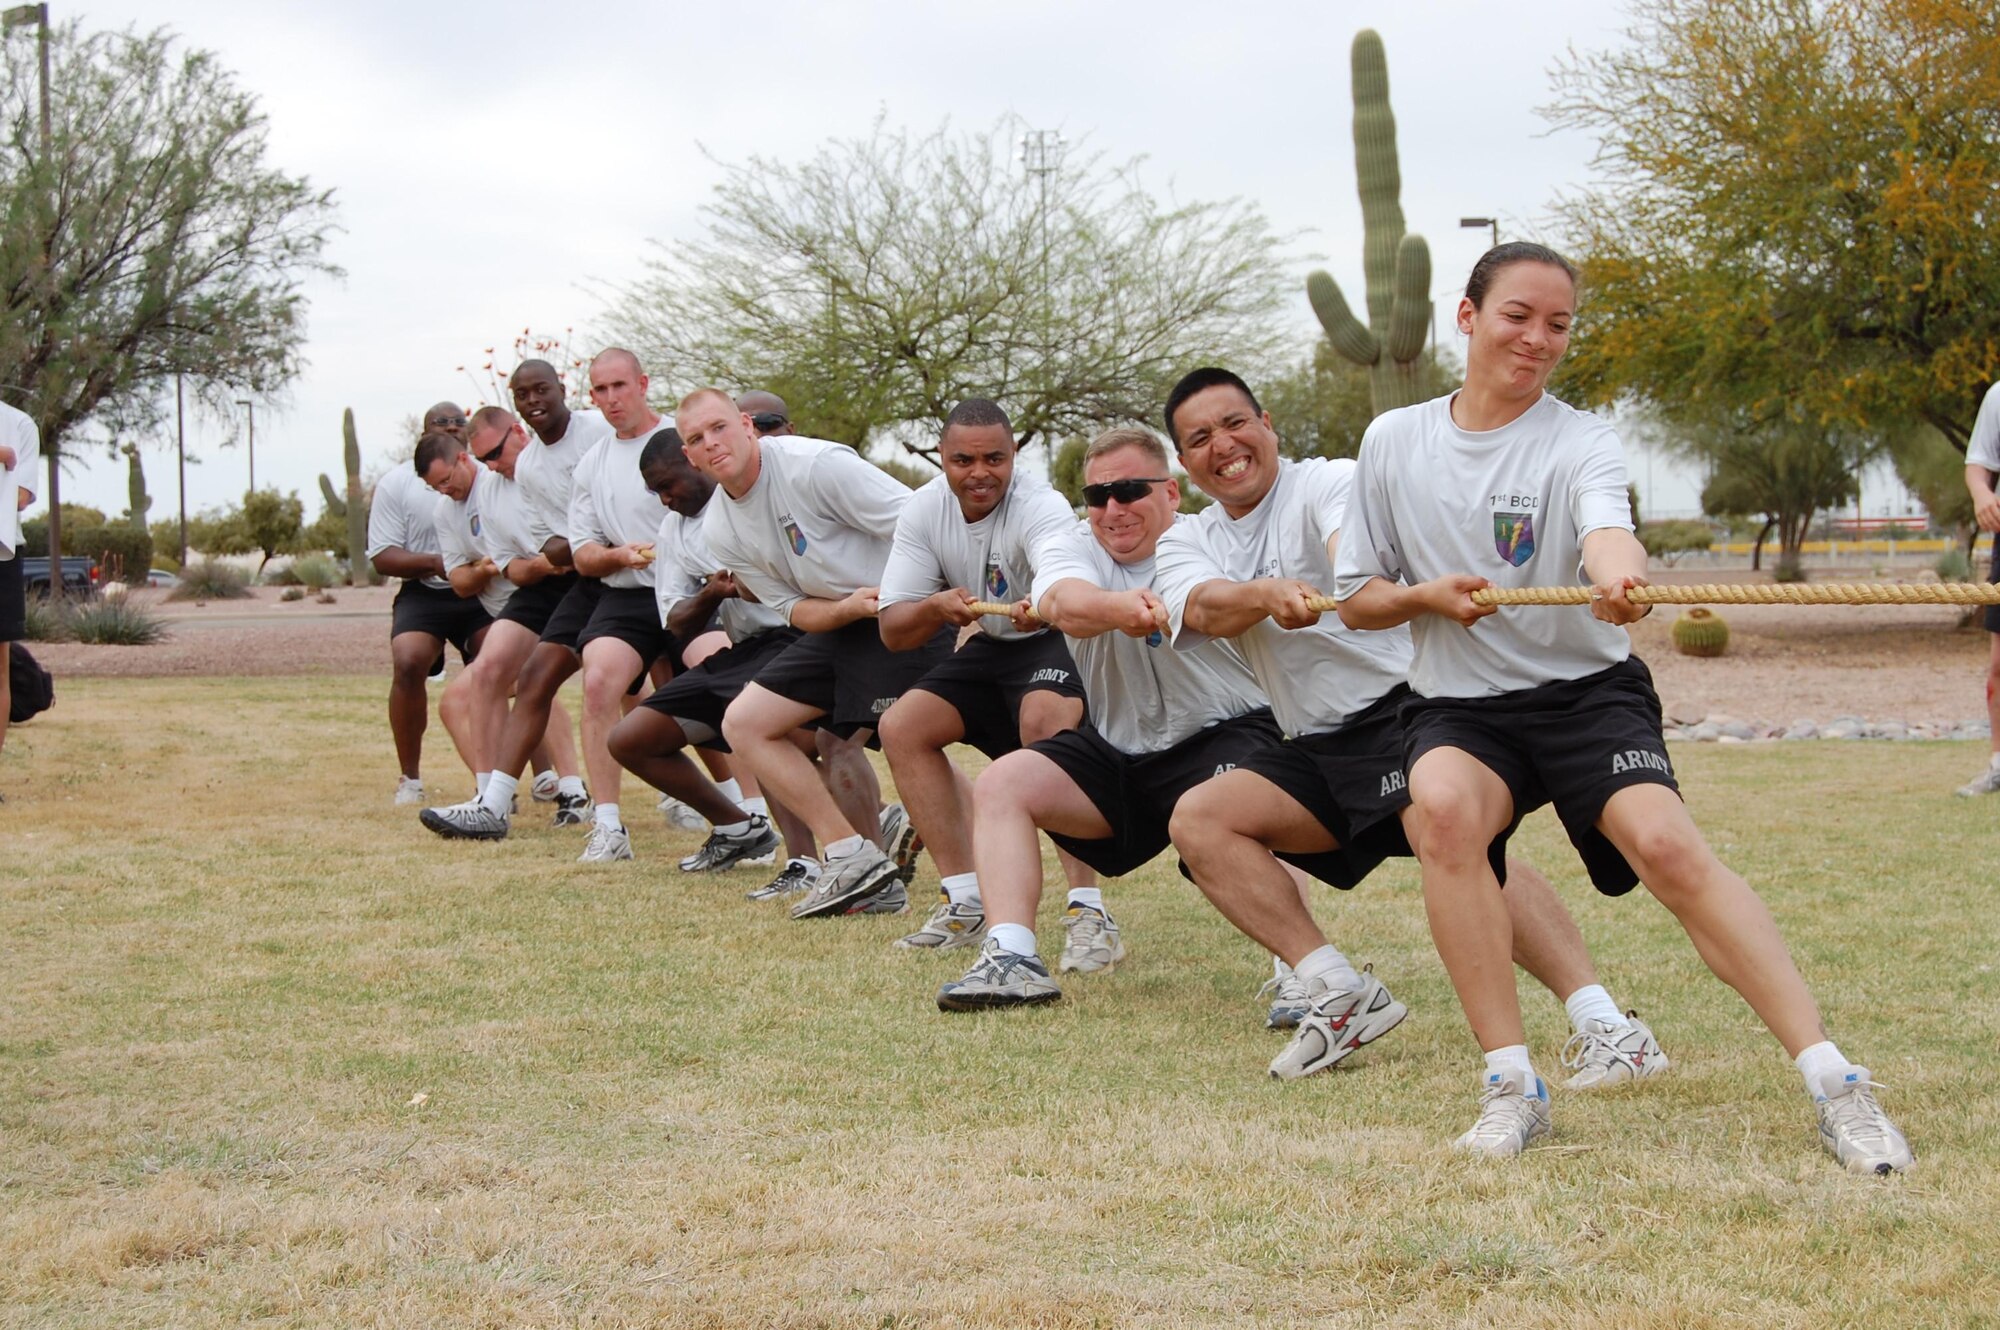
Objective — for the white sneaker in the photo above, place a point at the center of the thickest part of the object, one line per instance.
(999, 978)
(1604, 1054)
(901, 842)
(1090, 941)
(1853, 1127)
(1987, 782)
(543, 790)
(605, 845)
(798, 875)
(847, 881)
(949, 927)
(720, 851)
(409, 790)
(681, 817)
(471, 820)
(1338, 1021)
(1289, 1004)
(1511, 1116)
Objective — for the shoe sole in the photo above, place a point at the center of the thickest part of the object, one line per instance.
(451, 831)
(952, 943)
(991, 1001)
(860, 891)
(1656, 1067)
(1379, 1024)
(908, 846)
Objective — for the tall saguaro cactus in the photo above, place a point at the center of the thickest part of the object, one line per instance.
(354, 507)
(137, 501)
(1397, 265)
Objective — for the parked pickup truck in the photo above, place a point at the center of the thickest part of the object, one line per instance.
(80, 574)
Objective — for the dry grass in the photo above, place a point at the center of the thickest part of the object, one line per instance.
(231, 968)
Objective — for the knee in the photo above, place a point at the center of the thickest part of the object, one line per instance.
(1000, 790)
(907, 729)
(410, 668)
(1197, 823)
(626, 743)
(1044, 715)
(740, 726)
(604, 688)
(1670, 865)
(1448, 829)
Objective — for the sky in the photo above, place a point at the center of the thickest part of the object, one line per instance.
(498, 168)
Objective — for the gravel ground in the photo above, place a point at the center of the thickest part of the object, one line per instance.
(1785, 663)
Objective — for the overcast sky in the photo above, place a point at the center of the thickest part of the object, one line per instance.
(495, 167)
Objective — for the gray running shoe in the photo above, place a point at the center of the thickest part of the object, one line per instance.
(573, 810)
(1511, 1117)
(1338, 1021)
(1091, 944)
(605, 845)
(543, 790)
(681, 817)
(720, 851)
(894, 899)
(408, 791)
(467, 821)
(844, 882)
(1603, 1054)
(901, 842)
(1853, 1127)
(798, 876)
(949, 927)
(999, 978)
(1987, 782)
(1289, 1004)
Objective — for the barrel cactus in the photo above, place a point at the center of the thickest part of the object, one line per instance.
(1700, 632)
(1397, 265)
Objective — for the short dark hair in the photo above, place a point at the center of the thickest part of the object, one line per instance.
(1200, 380)
(978, 413)
(1500, 257)
(436, 447)
(663, 449)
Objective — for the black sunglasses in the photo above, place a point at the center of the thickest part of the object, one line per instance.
(766, 421)
(1125, 491)
(445, 422)
(499, 446)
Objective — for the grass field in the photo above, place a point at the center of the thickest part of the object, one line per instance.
(271, 1055)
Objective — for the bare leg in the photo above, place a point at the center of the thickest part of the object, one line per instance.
(549, 665)
(609, 667)
(1044, 714)
(1014, 798)
(652, 746)
(758, 726)
(410, 657)
(915, 733)
(1547, 942)
(1226, 829)
(1993, 688)
(850, 777)
(559, 738)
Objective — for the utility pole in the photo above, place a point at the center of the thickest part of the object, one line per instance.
(181, 449)
(1041, 153)
(251, 407)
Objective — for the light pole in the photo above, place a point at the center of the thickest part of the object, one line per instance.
(1474, 223)
(181, 450)
(1041, 153)
(20, 16)
(251, 407)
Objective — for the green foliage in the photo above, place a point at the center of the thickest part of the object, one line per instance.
(887, 278)
(171, 245)
(327, 532)
(124, 552)
(114, 621)
(1397, 265)
(1321, 406)
(1781, 470)
(268, 523)
(354, 508)
(47, 619)
(75, 517)
(211, 579)
(1066, 469)
(166, 563)
(316, 572)
(1953, 566)
(1934, 471)
(911, 475)
(1668, 540)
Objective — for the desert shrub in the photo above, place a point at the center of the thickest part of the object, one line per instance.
(114, 621)
(211, 579)
(48, 619)
(315, 572)
(292, 593)
(1669, 540)
(124, 552)
(1953, 566)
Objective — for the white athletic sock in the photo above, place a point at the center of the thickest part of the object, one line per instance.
(732, 828)
(845, 846)
(1328, 967)
(1278, 967)
(608, 816)
(1017, 938)
(1514, 1057)
(570, 785)
(1091, 896)
(756, 807)
(730, 790)
(1817, 1061)
(1592, 1003)
(480, 779)
(962, 888)
(498, 796)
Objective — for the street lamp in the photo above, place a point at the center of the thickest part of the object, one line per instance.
(251, 407)
(181, 453)
(20, 16)
(1473, 223)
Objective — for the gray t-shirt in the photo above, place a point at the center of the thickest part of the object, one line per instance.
(609, 504)
(544, 470)
(1316, 677)
(403, 515)
(993, 558)
(1144, 696)
(1511, 505)
(18, 432)
(460, 527)
(1983, 448)
(816, 525)
(685, 564)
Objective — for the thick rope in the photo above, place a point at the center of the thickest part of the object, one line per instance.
(995, 607)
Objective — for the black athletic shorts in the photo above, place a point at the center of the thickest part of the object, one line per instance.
(1351, 780)
(849, 676)
(445, 615)
(698, 697)
(1137, 794)
(632, 615)
(1993, 575)
(985, 680)
(13, 601)
(1573, 743)
(572, 614)
(532, 606)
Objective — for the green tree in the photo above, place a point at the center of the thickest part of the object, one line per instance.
(1783, 472)
(886, 278)
(151, 239)
(1321, 406)
(272, 522)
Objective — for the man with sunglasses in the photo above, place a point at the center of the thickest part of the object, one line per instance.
(805, 525)
(769, 416)
(973, 534)
(492, 537)
(1332, 797)
(403, 542)
(1161, 722)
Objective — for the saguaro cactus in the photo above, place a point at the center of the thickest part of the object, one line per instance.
(1397, 265)
(136, 498)
(353, 507)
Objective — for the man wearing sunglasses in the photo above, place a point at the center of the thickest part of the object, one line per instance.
(1161, 721)
(492, 537)
(769, 416)
(973, 534)
(1332, 797)
(403, 542)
